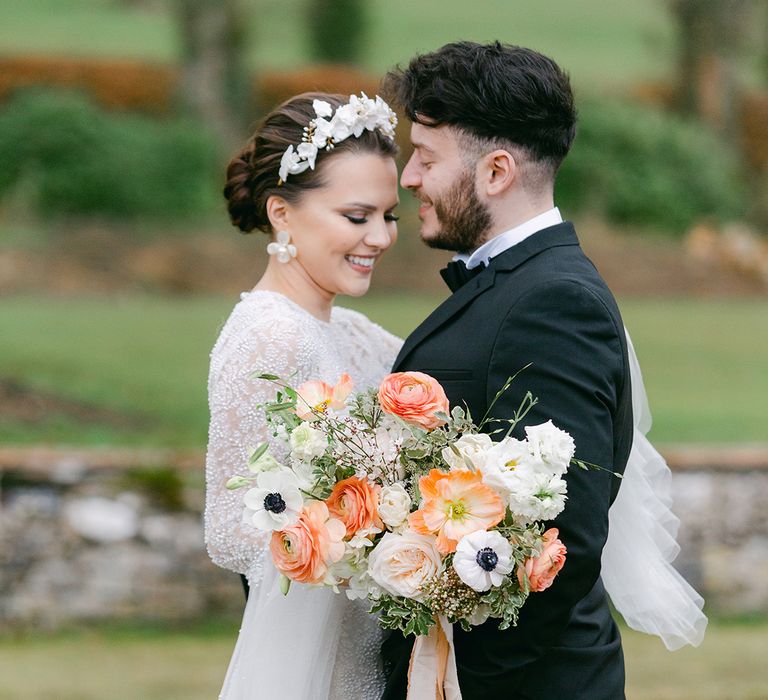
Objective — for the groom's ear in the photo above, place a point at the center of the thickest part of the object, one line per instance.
(277, 212)
(498, 172)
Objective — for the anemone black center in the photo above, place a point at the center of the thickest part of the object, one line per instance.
(274, 502)
(487, 559)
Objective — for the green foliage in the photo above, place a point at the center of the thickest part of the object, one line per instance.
(404, 614)
(640, 166)
(337, 29)
(76, 159)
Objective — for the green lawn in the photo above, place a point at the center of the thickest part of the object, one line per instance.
(168, 665)
(604, 43)
(146, 357)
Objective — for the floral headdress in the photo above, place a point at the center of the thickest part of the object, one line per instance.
(329, 128)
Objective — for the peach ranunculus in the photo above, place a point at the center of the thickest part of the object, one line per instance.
(317, 396)
(455, 504)
(303, 551)
(355, 502)
(415, 397)
(541, 571)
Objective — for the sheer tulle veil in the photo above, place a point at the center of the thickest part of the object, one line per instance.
(637, 570)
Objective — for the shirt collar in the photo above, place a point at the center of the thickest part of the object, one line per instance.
(507, 239)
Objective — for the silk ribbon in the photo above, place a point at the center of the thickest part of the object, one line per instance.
(432, 673)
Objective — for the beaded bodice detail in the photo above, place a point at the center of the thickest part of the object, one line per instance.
(266, 332)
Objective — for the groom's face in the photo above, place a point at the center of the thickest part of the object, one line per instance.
(452, 215)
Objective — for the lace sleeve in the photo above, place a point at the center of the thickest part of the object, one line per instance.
(255, 339)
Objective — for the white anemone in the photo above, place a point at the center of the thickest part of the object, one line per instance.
(483, 558)
(275, 502)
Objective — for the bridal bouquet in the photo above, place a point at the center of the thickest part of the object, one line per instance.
(393, 496)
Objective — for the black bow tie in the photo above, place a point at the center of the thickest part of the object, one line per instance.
(457, 275)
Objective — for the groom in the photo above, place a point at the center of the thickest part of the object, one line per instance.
(491, 125)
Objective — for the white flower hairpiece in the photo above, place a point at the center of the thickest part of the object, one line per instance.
(329, 128)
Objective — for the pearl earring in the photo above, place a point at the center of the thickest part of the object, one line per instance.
(282, 248)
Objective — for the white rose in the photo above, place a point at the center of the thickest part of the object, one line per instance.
(402, 563)
(472, 450)
(551, 445)
(307, 442)
(394, 505)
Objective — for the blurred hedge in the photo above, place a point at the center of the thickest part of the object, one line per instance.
(71, 157)
(640, 166)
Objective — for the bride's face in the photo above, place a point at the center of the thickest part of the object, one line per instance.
(342, 229)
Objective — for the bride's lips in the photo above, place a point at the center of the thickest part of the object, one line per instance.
(361, 263)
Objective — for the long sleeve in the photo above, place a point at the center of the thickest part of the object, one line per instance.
(255, 339)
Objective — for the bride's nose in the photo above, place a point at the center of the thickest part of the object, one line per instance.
(379, 235)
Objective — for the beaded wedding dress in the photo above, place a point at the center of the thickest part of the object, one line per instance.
(311, 644)
(316, 645)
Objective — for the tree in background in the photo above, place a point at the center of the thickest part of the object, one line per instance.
(337, 29)
(214, 82)
(713, 37)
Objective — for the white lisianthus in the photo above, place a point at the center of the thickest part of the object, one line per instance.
(506, 463)
(307, 442)
(551, 445)
(482, 559)
(540, 497)
(402, 563)
(275, 502)
(265, 463)
(394, 505)
(472, 451)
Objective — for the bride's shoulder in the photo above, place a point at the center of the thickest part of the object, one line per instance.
(261, 320)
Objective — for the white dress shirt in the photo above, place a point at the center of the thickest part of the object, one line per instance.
(504, 241)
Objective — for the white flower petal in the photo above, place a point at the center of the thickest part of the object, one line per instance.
(322, 108)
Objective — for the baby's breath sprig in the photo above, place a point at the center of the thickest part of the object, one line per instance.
(448, 595)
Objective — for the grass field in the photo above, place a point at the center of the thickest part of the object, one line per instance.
(146, 358)
(153, 664)
(604, 43)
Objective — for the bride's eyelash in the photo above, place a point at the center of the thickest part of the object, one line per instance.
(363, 219)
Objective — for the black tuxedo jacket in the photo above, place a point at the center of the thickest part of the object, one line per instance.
(540, 302)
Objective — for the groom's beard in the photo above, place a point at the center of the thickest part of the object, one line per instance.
(463, 218)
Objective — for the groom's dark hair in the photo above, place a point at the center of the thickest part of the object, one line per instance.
(496, 93)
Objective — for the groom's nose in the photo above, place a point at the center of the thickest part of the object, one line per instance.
(410, 178)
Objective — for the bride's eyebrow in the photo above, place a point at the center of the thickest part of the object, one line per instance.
(360, 205)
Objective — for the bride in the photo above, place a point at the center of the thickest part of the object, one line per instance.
(330, 217)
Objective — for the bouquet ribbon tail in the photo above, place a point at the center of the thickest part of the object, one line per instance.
(432, 673)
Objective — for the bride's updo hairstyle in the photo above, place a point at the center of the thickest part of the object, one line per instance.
(253, 174)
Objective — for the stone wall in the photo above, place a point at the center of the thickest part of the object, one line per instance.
(104, 535)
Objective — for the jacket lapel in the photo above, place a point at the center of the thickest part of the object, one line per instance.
(561, 234)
